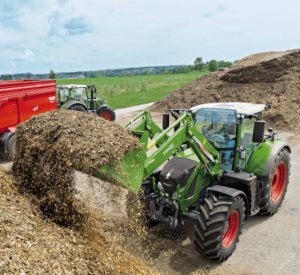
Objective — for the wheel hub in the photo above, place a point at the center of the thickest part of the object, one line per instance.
(106, 115)
(231, 229)
(278, 182)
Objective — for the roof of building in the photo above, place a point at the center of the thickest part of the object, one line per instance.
(240, 107)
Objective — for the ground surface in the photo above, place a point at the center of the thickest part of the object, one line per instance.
(268, 245)
(126, 91)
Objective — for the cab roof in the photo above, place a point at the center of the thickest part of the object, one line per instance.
(70, 86)
(240, 107)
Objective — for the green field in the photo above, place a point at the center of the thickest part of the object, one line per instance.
(128, 91)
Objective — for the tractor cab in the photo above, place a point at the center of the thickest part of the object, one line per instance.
(229, 127)
(66, 93)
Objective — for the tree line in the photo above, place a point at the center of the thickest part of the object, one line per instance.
(211, 66)
(198, 65)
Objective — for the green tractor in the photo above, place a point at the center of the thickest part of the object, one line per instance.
(83, 98)
(214, 165)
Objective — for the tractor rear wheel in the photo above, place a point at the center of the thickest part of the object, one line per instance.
(77, 107)
(218, 226)
(274, 189)
(106, 113)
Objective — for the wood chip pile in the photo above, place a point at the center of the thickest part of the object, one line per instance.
(271, 77)
(30, 244)
(50, 146)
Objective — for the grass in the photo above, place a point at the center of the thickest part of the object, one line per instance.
(128, 91)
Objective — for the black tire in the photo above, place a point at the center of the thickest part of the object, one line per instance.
(212, 234)
(106, 113)
(270, 200)
(11, 147)
(77, 107)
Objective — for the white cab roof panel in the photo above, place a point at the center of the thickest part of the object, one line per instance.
(70, 86)
(240, 107)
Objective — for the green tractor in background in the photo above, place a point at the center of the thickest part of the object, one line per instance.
(214, 165)
(83, 98)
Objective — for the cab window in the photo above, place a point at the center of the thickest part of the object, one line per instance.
(219, 127)
(78, 93)
(246, 135)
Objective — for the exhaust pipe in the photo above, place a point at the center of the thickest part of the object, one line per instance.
(166, 121)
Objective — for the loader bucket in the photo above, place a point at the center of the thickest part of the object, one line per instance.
(129, 173)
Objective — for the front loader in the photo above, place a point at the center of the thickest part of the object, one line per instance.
(214, 164)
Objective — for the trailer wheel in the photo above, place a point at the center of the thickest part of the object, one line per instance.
(106, 113)
(218, 226)
(77, 107)
(11, 147)
(274, 189)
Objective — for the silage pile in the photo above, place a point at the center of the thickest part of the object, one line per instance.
(52, 145)
(271, 77)
(30, 244)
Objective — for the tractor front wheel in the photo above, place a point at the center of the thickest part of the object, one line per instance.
(106, 113)
(218, 226)
(274, 188)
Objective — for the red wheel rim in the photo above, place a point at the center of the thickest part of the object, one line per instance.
(106, 115)
(232, 229)
(278, 182)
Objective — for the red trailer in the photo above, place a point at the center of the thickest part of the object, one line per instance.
(19, 100)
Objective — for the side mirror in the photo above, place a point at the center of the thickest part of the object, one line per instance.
(166, 121)
(259, 131)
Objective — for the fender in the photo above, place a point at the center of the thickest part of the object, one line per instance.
(70, 103)
(276, 149)
(262, 159)
(102, 105)
(231, 192)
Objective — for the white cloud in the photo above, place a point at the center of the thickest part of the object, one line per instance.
(29, 55)
(73, 35)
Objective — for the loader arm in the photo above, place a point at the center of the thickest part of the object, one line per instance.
(185, 132)
(157, 146)
(144, 127)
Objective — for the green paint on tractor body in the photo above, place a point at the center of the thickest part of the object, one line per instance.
(213, 154)
(129, 172)
(138, 165)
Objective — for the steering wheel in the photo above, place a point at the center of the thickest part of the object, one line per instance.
(217, 140)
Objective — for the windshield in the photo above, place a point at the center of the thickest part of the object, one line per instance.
(64, 93)
(218, 126)
(78, 93)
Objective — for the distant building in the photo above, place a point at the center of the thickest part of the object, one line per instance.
(77, 76)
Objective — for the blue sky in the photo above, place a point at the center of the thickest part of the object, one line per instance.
(70, 35)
